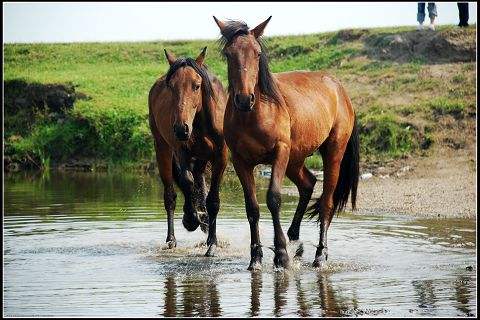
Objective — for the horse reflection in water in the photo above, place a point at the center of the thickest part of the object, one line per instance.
(199, 298)
(256, 289)
(189, 296)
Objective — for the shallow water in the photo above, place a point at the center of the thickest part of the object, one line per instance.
(83, 244)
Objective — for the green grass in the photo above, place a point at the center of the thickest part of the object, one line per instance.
(383, 133)
(112, 124)
(314, 162)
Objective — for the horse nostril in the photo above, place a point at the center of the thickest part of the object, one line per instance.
(235, 100)
(252, 99)
(186, 128)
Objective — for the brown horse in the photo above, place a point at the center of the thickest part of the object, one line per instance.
(280, 119)
(186, 109)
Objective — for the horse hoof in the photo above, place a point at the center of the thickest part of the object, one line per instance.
(171, 244)
(211, 251)
(281, 259)
(189, 223)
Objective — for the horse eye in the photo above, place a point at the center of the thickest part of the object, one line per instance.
(196, 87)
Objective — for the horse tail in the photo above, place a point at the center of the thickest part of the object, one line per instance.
(347, 179)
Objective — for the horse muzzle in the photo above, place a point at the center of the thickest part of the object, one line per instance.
(243, 102)
(181, 131)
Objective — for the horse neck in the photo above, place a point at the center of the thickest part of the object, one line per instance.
(203, 117)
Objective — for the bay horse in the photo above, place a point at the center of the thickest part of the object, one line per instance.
(280, 119)
(186, 109)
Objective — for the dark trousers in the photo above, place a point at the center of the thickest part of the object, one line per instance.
(463, 13)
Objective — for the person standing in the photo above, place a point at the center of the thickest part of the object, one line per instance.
(463, 13)
(432, 13)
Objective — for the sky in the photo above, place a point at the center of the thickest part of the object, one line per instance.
(110, 21)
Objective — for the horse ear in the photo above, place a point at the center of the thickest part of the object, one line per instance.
(220, 24)
(201, 57)
(258, 30)
(170, 57)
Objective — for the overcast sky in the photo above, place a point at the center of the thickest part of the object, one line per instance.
(86, 22)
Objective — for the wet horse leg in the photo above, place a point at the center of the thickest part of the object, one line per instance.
(184, 179)
(199, 189)
(164, 162)
(274, 201)
(245, 174)
(213, 199)
(332, 155)
(305, 181)
(199, 184)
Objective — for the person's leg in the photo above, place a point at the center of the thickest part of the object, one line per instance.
(460, 13)
(463, 13)
(432, 13)
(466, 14)
(421, 12)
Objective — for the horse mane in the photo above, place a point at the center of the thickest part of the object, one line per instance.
(202, 71)
(267, 86)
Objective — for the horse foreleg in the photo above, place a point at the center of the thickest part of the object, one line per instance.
(213, 198)
(245, 175)
(164, 163)
(185, 181)
(274, 201)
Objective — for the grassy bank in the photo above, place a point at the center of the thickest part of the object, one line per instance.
(402, 104)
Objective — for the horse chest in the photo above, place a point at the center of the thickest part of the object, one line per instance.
(253, 142)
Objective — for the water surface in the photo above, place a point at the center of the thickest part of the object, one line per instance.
(84, 244)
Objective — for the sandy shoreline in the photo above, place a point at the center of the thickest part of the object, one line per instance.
(443, 185)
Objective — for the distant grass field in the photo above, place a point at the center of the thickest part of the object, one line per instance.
(396, 102)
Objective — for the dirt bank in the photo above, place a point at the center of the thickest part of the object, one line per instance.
(451, 45)
(442, 185)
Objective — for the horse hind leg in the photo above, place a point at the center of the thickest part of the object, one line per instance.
(305, 181)
(332, 154)
(200, 194)
(219, 163)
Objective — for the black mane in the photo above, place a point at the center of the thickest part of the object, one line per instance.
(207, 90)
(267, 86)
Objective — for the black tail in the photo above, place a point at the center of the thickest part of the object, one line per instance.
(347, 180)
